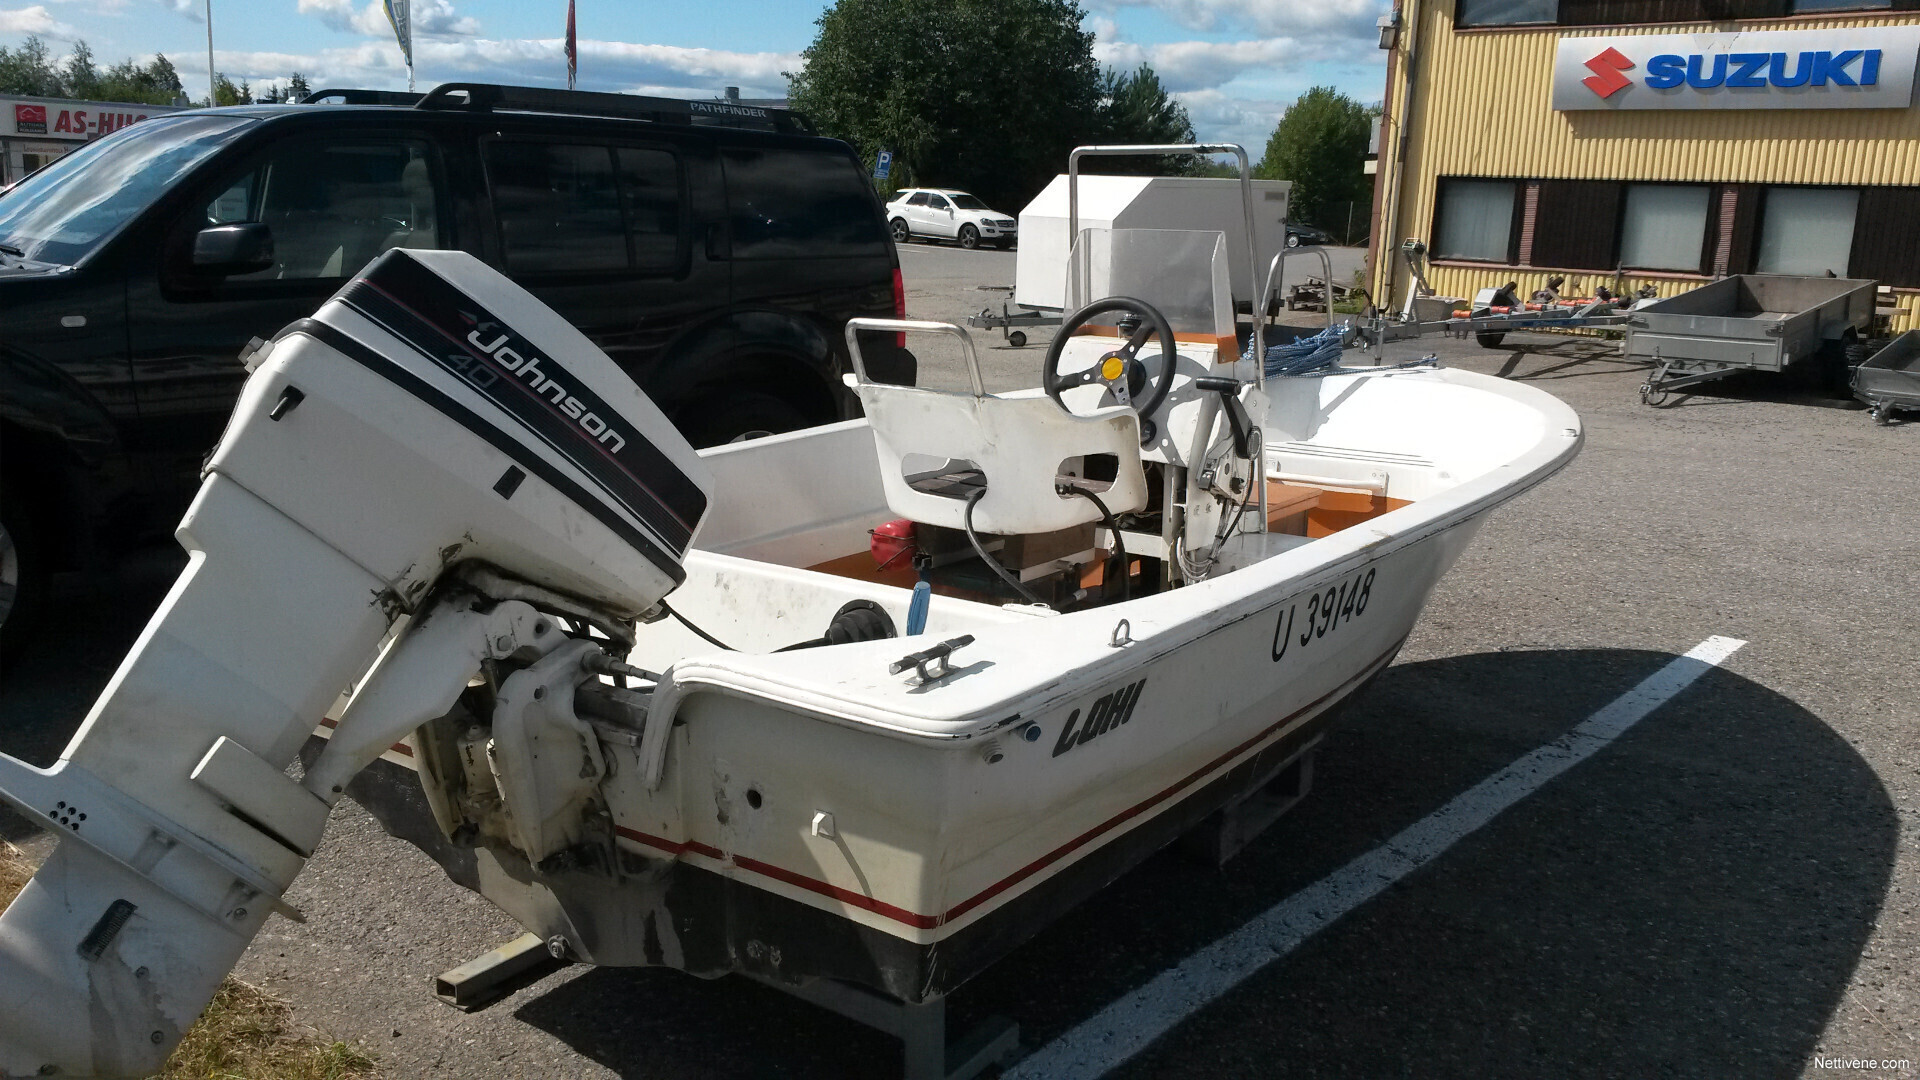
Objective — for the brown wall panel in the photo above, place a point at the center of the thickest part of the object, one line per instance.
(1576, 223)
(1886, 236)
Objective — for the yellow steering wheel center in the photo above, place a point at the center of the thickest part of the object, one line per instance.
(1112, 367)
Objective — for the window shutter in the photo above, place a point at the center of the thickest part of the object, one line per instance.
(1886, 236)
(1575, 224)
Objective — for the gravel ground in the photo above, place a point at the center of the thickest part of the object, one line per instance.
(1728, 890)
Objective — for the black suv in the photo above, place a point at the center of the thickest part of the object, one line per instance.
(714, 250)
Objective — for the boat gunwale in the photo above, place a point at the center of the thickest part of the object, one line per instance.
(1256, 588)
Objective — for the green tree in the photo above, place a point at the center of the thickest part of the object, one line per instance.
(1136, 108)
(154, 83)
(79, 77)
(29, 70)
(987, 95)
(297, 88)
(225, 92)
(1321, 145)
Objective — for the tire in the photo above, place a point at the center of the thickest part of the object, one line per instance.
(1017, 339)
(969, 237)
(718, 419)
(901, 234)
(1293, 240)
(1491, 341)
(22, 577)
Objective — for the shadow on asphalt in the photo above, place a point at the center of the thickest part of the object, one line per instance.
(1692, 900)
(88, 624)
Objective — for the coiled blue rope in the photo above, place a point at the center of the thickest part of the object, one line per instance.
(1319, 354)
(1308, 354)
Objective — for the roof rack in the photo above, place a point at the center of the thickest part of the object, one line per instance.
(348, 96)
(488, 96)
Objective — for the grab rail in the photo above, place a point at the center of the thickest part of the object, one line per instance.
(914, 326)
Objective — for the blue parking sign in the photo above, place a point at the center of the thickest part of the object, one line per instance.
(883, 165)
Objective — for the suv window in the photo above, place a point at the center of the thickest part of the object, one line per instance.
(334, 205)
(789, 204)
(968, 202)
(576, 206)
(67, 210)
(937, 202)
(919, 199)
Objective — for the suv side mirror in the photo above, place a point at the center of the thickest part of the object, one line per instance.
(233, 249)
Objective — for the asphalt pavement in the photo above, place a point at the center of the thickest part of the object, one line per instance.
(1728, 890)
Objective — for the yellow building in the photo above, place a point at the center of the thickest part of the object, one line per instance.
(1625, 142)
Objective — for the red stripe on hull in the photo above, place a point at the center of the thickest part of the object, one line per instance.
(929, 922)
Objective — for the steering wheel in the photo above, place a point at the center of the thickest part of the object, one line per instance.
(1120, 371)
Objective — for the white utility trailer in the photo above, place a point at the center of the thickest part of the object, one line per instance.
(1143, 202)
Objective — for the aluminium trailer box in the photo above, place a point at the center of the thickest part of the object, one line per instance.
(1144, 202)
(1764, 322)
(1890, 378)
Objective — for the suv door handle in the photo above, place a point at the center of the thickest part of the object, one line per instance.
(716, 241)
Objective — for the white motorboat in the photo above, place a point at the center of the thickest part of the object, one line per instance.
(854, 709)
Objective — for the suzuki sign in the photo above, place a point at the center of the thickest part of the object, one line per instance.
(1855, 68)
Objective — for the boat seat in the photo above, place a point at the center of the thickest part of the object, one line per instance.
(1018, 444)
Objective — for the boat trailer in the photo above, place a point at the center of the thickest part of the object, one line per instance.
(1011, 315)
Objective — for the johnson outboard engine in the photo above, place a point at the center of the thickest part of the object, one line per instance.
(433, 472)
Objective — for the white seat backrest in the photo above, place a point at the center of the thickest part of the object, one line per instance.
(1020, 443)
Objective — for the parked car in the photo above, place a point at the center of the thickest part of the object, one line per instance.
(946, 214)
(1298, 234)
(718, 265)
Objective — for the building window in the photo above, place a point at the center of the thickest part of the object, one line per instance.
(1507, 12)
(1474, 220)
(1801, 7)
(1807, 230)
(1664, 226)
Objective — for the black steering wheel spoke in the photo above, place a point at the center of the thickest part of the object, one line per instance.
(1144, 390)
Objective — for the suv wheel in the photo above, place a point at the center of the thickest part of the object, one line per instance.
(21, 576)
(969, 237)
(901, 234)
(718, 419)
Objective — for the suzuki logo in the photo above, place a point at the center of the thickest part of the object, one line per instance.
(1606, 79)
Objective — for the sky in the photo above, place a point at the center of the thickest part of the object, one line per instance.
(1235, 64)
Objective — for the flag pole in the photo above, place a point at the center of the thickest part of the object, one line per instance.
(212, 98)
(573, 47)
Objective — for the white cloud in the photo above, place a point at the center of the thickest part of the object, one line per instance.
(1268, 18)
(34, 20)
(1218, 117)
(431, 18)
(191, 9)
(1199, 65)
(666, 70)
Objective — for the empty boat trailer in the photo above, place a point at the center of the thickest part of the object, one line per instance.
(1760, 322)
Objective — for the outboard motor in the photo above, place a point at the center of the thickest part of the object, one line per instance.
(433, 451)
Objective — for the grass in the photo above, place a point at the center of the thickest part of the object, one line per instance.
(245, 1033)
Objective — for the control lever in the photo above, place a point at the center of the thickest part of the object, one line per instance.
(1242, 424)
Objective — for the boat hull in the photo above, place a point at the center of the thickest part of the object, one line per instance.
(1003, 848)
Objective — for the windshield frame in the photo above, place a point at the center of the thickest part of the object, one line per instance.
(74, 177)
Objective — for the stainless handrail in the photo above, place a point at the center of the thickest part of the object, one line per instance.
(1276, 275)
(1198, 150)
(913, 326)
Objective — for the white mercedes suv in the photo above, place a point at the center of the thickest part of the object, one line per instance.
(945, 214)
